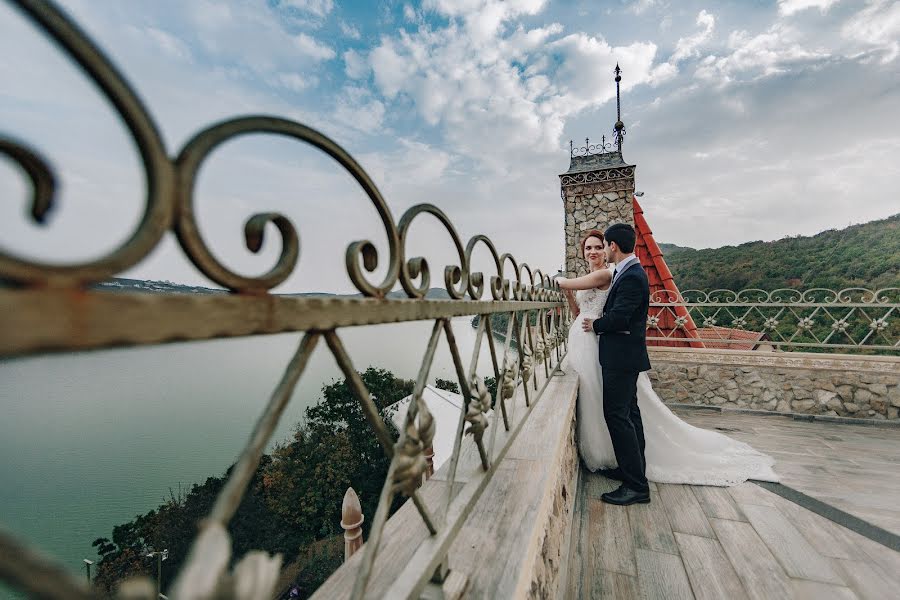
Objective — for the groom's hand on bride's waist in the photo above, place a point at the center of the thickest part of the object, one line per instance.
(587, 324)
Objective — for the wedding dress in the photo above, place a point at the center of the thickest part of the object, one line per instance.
(676, 452)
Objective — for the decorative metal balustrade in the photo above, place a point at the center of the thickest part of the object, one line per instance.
(849, 320)
(51, 308)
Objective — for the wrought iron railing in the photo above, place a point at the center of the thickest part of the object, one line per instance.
(590, 149)
(51, 308)
(849, 320)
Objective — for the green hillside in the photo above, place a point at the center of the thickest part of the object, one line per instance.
(866, 255)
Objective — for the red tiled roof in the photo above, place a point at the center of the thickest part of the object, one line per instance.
(726, 333)
(662, 289)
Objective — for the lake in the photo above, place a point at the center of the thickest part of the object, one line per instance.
(90, 440)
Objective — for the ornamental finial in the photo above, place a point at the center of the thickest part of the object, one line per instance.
(619, 128)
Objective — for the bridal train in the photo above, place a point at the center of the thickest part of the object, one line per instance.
(676, 452)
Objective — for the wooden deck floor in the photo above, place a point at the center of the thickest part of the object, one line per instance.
(746, 542)
(851, 467)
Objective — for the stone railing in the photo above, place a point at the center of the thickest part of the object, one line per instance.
(53, 308)
(512, 544)
(827, 385)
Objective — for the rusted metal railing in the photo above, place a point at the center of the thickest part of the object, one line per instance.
(52, 308)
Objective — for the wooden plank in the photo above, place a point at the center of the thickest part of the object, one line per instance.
(611, 545)
(651, 528)
(496, 528)
(683, 510)
(762, 576)
(816, 590)
(828, 538)
(596, 485)
(884, 558)
(578, 571)
(796, 555)
(717, 503)
(750, 493)
(866, 580)
(711, 575)
(608, 585)
(661, 576)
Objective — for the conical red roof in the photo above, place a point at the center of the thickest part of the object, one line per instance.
(662, 290)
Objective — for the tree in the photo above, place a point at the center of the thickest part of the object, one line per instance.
(303, 486)
(292, 502)
(446, 384)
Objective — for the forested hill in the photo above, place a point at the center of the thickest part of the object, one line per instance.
(866, 255)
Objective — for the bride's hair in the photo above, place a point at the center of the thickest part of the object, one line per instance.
(591, 233)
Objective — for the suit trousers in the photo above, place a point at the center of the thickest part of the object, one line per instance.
(623, 418)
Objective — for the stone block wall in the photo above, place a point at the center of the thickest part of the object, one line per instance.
(594, 200)
(863, 387)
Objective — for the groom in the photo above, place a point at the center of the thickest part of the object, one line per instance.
(622, 331)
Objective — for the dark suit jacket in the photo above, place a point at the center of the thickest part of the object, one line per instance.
(623, 326)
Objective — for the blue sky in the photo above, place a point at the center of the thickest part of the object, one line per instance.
(747, 120)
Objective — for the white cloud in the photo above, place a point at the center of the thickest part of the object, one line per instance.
(406, 169)
(688, 47)
(293, 81)
(391, 71)
(355, 65)
(638, 7)
(505, 86)
(318, 8)
(789, 7)
(357, 109)
(585, 73)
(313, 48)
(169, 44)
(755, 56)
(484, 18)
(349, 30)
(877, 27)
(409, 13)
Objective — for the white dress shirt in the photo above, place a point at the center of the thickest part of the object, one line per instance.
(622, 266)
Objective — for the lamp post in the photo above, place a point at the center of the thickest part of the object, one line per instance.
(87, 566)
(160, 556)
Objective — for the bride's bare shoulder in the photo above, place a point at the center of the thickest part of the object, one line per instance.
(604, 279)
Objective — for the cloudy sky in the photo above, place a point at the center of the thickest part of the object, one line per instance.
(747, 120)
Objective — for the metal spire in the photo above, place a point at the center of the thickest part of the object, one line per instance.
(619, 129)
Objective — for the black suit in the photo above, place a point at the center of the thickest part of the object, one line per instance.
(622, 331)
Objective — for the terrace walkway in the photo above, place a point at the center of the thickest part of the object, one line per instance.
(747, 542)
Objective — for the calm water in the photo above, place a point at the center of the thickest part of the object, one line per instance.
(91, 440)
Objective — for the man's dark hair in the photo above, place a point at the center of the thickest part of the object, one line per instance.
(623, 235)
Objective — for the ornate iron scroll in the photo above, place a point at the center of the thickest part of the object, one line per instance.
(851, 319)
(597, 176)
(589, 149)
(46, 307)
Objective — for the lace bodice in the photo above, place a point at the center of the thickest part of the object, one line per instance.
(590, 302)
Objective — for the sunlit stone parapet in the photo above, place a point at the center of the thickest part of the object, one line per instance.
(838, 385)
(596, 191)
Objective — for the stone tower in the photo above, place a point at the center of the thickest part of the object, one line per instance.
(597, 190)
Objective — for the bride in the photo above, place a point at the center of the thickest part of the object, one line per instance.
(676, 452)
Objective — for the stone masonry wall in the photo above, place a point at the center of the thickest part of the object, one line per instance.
(864, 387)
(546, 571)
(594, 206)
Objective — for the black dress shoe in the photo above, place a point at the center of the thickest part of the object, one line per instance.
(612, 473)
(625, 496)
